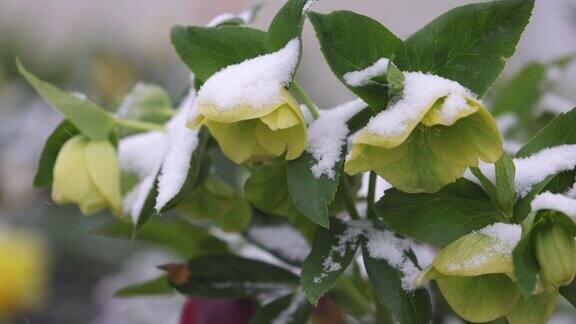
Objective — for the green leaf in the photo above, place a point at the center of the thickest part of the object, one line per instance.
(173, 234)
(148, 209)
(404, 307)
(503, 192)
(287, 24)
(438, 218)
(157, 286)
(267, 189)
(54, 143)
(291, 309)
(352, 42)
(332, 252)
(208, 50)
(468, 44)
(147, 102)
(559, 131)
(311, 195)
(505, 187)
(90, 119)
(526, 266)
(194, 171)
(521, 93)
(569, 292)
(218, 202)
(222, 276)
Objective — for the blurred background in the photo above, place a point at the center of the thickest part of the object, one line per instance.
(102, 48)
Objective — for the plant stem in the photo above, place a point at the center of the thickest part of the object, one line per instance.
(139, 125)
(305, 99)
(349, 199)
(371, 194)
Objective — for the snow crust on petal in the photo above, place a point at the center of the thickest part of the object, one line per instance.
(328, 133)
(256, 82)
(420, 92)
(363, 77)
(557, 202)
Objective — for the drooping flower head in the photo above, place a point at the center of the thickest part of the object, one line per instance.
(475, 273)
(428, 137)
(248, 110)
(86, 173)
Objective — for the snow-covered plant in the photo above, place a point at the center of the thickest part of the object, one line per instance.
(270, 198)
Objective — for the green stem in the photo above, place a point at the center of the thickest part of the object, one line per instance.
(349, 199)
(305, 99)
(371, 194)
(139, 125)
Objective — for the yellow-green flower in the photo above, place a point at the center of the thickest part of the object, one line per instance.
(474, 274)
(247, 133)
(22, 272)
(556, 254)
(86, 173)
(428, 138)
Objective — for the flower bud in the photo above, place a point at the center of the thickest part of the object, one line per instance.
(86, 173)
(556, 254)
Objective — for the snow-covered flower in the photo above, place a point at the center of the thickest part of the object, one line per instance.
(552, 225)
(428, 138)
(22, 271)
(248, 110)
(474, 273)
(86, 173)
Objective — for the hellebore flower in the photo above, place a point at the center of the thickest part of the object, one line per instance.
(474, 273)
(556, 254)
(22, 272)
(248, 110)
(552, 226)
(86, 173)
(428, 138)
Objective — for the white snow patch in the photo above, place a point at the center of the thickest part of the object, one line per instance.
(537, 167)
(307, 5)
(571, 193)
(420, 91)
(346, 241)
(363, 77)
(283, 240)
(557, 202)
(327, 135)
(182, 141)
(256, 82)
(142, 153)
(384, 245)
(508, 234)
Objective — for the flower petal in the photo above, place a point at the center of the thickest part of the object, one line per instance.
(238, 140)
(480, 298)
(72, 184)
(104, 171)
